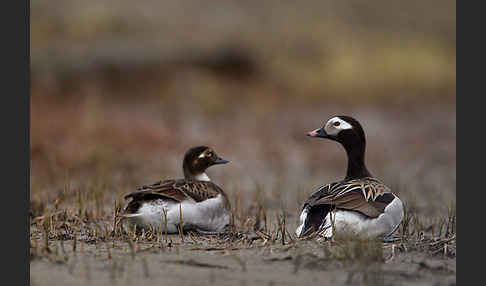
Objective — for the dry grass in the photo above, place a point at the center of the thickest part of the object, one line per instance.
(61, 237)
(85, 160)
(119, 93)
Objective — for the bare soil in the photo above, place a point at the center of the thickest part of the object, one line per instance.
(120, 91)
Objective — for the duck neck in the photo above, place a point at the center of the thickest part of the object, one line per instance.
(202, 177)
(191, 174)
(356, 162)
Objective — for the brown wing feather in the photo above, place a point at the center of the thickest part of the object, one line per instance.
(364, 195)
(162, 189)
(178, 190)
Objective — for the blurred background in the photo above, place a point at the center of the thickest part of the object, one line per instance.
(121, 89)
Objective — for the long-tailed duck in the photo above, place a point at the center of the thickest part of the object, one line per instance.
(360, 204)
(204, 206)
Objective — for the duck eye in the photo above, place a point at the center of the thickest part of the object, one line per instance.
(337, 123)
(210, 154)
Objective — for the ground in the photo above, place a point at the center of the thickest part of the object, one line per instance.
(119, 92)
(274, 166)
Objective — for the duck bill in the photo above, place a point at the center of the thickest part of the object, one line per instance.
(320, 133)
(220, 160)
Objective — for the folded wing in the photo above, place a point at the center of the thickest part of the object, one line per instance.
(367, 196)
(177, 190)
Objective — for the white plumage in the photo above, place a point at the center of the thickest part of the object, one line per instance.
(209, 215)
(359, 205)
(357, 224)
(203, 205)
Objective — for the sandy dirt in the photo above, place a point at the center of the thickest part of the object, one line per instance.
(119, 93)
(197, 264)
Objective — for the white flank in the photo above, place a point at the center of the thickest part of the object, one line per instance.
(303, 217)
(355, 223)
(208, 215)
(395, 213)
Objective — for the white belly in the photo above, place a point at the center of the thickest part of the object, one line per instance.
(354, 223)
(357, 224)
(208, 215)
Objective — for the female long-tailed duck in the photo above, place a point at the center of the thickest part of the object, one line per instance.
(360, 204)
(204, 206)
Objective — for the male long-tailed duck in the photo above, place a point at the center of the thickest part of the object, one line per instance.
(204, 206)
(358, 205)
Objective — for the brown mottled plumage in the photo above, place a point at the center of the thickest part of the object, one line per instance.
(367, 196)
(178, 191)
(359, 202)
(204, 205)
